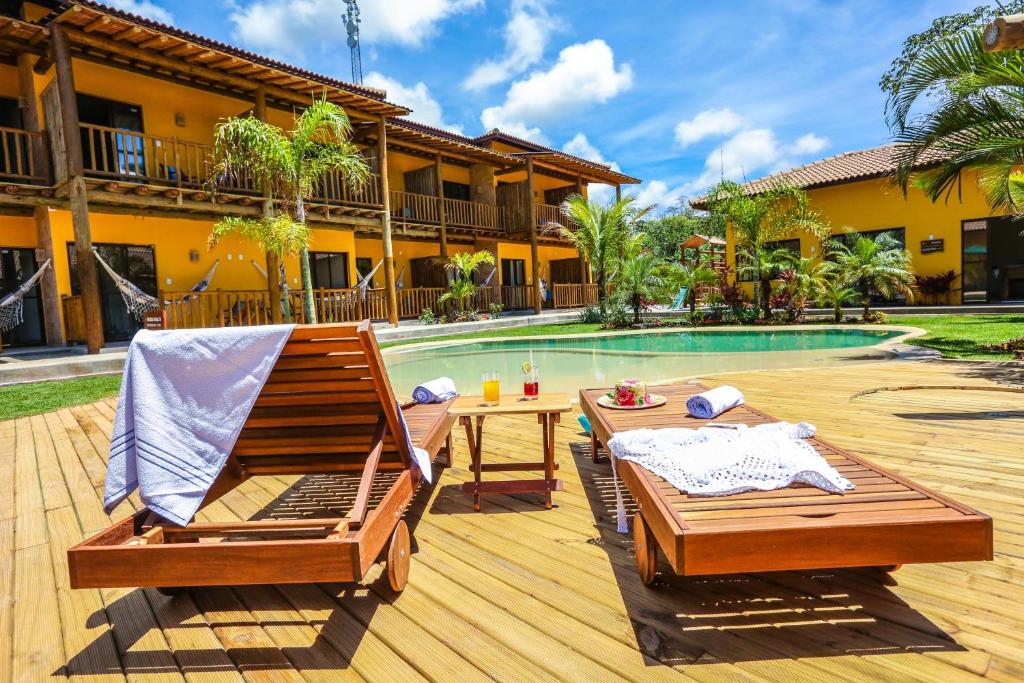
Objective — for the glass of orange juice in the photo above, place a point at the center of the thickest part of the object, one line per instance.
(491, 387)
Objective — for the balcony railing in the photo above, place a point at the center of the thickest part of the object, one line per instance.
(410, 207)
(574, 295)
(126, 156)
(19, 163)
(549, 216)
(464, 214)
(424, 209)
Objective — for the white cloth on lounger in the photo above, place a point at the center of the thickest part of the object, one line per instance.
(710, 404)
(185, 395)
(435, 391)
(711, 461)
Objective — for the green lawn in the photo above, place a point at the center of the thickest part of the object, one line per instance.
(42, 397)
(963, 336)
(956, 336)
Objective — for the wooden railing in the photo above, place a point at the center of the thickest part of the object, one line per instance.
(216, 308)
(517, 297)
(74, 319)
(574, 296)
(127, 156)
(549, 216)
(465, 214)
(414, 208)
(19, 162)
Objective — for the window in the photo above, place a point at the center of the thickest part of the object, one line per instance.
(106, 152)
(16, 266)
(848, 238)
(454, 190)
(513, 272)
(743, 260)
(330, 269)
(364, 265)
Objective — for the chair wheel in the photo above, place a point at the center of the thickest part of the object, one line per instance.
(646, 549)
(399, 557)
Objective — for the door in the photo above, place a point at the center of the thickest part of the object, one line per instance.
(113, 153)
(428, 271)
(975, 261)
(135, 263)
(330, 269)
(513, 272)
(16, 266)
(364, 266)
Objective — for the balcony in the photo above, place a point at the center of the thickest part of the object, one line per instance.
(551, 218)
(423, 209)
(126, 161)
(20, 163)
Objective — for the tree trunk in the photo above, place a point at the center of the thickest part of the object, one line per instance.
(601, 295)
(308, 309)
(636, 309)
(274, 285)
(838, 312)
(692, 294)
(865, 299)
(766, 298)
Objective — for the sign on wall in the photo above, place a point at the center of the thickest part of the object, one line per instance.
(932, 246)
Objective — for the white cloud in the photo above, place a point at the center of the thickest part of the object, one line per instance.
(287, 27)
(144, 8)
(708, 123)
(748, 152)
(808, 144)
(602, 194)
(580, 146)
(417, 97)
(526, 36)
(585, 74)
(658, 194)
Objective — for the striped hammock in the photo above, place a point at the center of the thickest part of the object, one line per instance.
(137, 301)
(12, 306)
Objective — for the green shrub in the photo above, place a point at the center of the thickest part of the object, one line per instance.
(495, 309)
(592, 315)
(427, 317)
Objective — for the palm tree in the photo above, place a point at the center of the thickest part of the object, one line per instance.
(833, 290)
(639, 278)
(462, 265)
(800, 281)
(759, 219)
(765, 266)
(693, 277)
(601, 233)
(874, 265)
(958, 107)
(287, 165)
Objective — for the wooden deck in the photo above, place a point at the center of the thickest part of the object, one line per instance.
(522, 593)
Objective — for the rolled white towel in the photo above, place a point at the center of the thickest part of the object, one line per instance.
(714, 402)
(435, 391)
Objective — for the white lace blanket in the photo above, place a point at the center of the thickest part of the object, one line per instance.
(713, 461)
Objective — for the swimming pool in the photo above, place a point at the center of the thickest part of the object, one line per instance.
(571, 362)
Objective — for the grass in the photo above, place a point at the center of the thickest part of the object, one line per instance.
(964, 336)
(20, 400)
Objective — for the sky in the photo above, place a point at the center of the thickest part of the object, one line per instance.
(677, 92)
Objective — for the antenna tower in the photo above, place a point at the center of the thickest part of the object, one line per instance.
(352, 28)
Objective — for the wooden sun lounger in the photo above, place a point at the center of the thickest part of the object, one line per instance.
(886, 521)
(327, 408)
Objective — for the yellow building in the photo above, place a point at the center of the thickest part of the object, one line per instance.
(855, 191)
(106, 125)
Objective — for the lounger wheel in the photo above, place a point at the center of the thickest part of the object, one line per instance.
(399, 553)
(646, 549)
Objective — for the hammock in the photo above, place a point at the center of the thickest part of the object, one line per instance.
(400, 280)
(488, 280)
(137, 301)
(364, 284)
(12, 306)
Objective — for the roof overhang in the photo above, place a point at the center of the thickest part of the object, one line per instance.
(574, 166)
(107, 35)
(417, 135)
(21, 36)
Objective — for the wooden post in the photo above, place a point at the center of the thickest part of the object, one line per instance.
(259, 111)
(1005, 33)
(579, 186)
(77, 197)
(534, 251)
(618, 192)
(442, 215)
(385, 224)
(41, 214)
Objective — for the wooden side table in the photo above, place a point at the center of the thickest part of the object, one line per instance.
(548, 409)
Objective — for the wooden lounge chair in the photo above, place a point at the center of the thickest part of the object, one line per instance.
(327, 408)
(886, 521)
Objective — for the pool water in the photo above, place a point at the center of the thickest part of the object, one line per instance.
(570, 363)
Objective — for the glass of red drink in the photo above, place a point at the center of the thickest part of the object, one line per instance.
(531, 381)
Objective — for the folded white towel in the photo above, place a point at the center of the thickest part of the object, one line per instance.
(712, 403)
(435, 391)
(185, 395)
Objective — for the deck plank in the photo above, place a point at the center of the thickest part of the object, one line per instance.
(520, 593)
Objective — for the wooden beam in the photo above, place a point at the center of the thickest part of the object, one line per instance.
(77, 197)
(534, 252)
(618, 192)
(96, 24)
(441, 212)
(40, 214)
(385, 222)
(1005, 33)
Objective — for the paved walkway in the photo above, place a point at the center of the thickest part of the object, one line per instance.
(521, 593)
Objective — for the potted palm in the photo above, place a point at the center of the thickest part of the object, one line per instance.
(461, 288)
